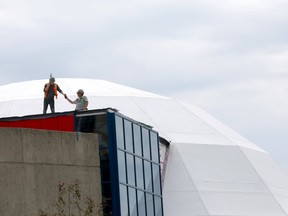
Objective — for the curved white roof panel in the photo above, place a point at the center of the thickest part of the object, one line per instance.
(212, 170)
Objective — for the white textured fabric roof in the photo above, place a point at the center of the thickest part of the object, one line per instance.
(212, 170)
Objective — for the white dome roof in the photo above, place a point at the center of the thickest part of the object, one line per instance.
(163, 113)
(212, 170)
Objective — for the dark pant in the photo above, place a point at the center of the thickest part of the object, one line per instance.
(48, 101)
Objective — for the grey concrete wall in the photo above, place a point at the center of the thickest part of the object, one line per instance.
(34, 162)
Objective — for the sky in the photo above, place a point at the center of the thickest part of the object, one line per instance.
(229, 57)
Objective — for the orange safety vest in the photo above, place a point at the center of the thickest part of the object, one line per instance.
(47, 88)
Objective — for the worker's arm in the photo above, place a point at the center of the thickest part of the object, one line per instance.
(85, 105)
(59, 90)
(46, 87)
(70, 101)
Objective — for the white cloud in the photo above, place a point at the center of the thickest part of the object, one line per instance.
(15, 16)
(251, 5)
(277, 62)
(257, 96)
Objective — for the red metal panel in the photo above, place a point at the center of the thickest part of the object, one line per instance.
(34, 123)
(4, 124)
(59, 123)
(66, 123)
(16, 124)
(50, 124)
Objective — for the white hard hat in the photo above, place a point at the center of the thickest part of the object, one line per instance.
(80, 91)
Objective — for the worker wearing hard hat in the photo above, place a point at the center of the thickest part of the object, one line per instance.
(50, 91)
(81, 102)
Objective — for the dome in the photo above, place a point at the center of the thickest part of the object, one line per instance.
(211, 170)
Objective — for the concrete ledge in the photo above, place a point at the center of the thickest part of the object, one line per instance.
(33, 162)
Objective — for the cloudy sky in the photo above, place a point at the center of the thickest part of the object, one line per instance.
(230, 57)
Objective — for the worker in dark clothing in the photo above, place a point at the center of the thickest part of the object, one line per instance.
(50, 91)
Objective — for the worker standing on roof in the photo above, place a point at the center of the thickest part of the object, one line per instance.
(81, 102)
(50, 91)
